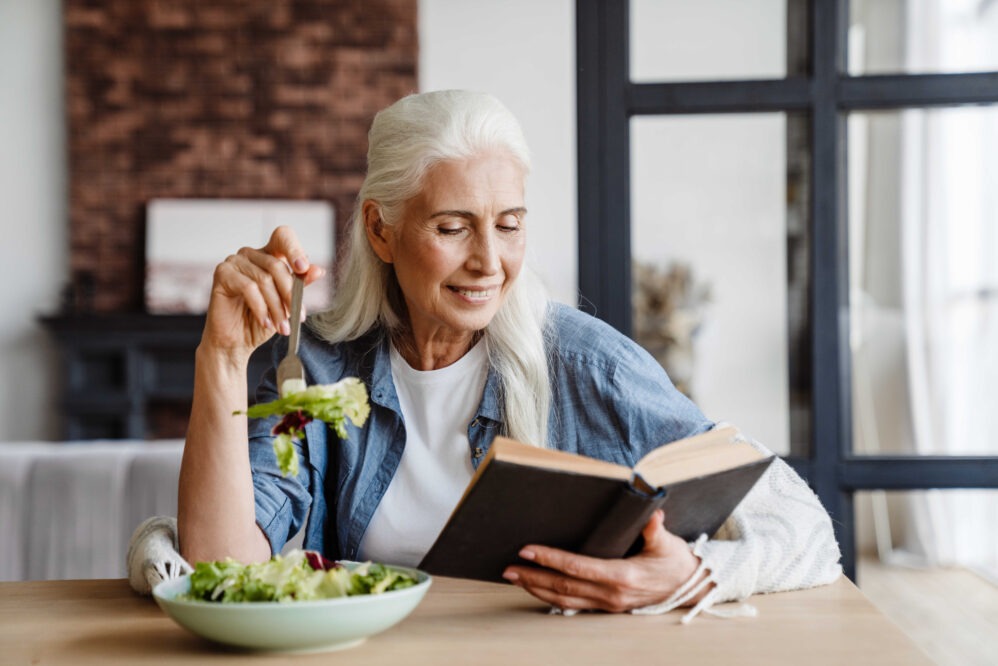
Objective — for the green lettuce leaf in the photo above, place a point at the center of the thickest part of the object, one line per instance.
(289, 577)
(334, 404)
(287, 457)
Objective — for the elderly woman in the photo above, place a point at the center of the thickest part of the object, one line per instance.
(452, 334)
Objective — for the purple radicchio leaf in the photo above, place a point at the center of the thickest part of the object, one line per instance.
(292, 423)
(320, 563)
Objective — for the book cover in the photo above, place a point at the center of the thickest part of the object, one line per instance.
(522, 495)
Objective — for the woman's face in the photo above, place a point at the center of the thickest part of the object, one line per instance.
(459, 245)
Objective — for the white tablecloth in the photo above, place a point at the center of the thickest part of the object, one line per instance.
(68, 509)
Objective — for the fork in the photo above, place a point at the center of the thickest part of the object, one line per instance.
(290, 373)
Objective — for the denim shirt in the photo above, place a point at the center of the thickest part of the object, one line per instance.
(610, 400)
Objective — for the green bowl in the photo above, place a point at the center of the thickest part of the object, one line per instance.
(295, 626)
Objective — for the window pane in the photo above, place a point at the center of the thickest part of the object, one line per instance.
(923, 228)
(678, 40)
(922, 36)
(924, 559)
(713, 239)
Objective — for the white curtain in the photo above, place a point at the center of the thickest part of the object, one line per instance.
(949, 255)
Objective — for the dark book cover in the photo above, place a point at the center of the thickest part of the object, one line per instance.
(511, 505)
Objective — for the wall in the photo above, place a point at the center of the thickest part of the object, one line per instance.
(33, 221)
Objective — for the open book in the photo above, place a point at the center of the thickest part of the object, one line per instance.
(522, 494)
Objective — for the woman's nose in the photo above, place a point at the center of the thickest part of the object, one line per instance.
(484, 255)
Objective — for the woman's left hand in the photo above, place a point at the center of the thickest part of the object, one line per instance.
(571, 581)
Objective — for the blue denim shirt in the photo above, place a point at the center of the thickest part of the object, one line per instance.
(610, 400)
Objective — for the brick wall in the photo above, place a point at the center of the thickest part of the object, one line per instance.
(216, 98)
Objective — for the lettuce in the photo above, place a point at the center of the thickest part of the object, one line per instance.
(297, 576)
(334, 404)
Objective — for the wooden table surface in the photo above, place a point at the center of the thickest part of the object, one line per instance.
(463, 622)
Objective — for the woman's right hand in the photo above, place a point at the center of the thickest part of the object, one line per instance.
(251, 295)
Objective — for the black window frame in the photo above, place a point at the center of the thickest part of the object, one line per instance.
(607, 100)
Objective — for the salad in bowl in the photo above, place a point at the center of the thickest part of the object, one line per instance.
(295, 602)
(299, 601)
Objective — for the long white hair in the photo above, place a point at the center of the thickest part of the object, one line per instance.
(405, 140)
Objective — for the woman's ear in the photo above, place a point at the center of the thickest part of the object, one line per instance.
(379, 235)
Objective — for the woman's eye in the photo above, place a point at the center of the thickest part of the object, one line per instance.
(508, 223)
(450, 231)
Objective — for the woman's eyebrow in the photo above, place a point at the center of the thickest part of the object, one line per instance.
(468, 215)
(454, 213)
(519, 211)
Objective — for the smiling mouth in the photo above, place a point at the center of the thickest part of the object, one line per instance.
(473, 293)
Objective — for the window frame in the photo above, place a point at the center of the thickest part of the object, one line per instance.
(607, 100)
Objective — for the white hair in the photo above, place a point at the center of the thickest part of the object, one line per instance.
(405, 140)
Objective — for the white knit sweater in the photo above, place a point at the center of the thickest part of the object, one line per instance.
(779, 538)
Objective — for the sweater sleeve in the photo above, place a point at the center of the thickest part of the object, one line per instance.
(779, 538)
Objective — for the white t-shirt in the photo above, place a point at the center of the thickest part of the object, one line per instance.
(437, 406)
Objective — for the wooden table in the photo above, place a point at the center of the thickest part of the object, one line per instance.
(463, 622)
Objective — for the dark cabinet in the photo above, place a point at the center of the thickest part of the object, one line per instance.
(130, 376)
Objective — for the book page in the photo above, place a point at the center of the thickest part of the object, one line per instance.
(712, 451)
(512, 451)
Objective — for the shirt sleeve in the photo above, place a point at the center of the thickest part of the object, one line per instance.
(652, 410)
(282, 503)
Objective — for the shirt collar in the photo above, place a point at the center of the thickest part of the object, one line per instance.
(383, 388)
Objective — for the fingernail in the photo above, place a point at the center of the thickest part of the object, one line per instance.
(301, 265)
(267, 324)
(527, 554)
(285, 328)
(511, 576)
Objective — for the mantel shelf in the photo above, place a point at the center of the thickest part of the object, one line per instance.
(118, 369)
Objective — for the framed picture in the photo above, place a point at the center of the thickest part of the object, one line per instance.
(187, 238)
